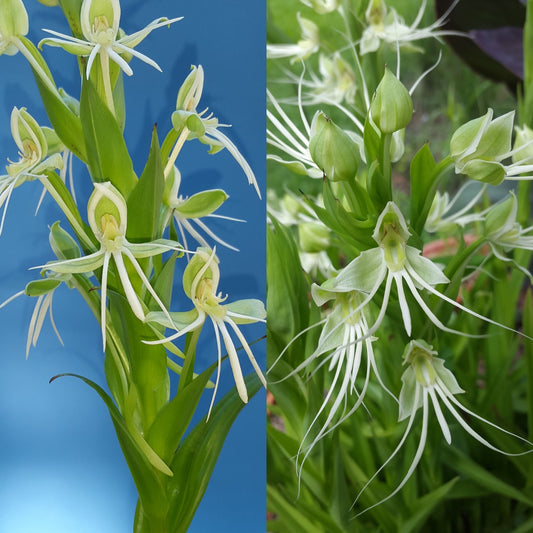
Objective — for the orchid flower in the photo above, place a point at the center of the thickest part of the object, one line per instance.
(426, 379)
(43, 290)
(306, 46)
(504, 233)
(191, 124)
(100, 22)
(344, 339)
(107, 216)
(387, 26)
(190, 210)
(33, 163)
(479, 147)
(393, 261)
(322, 6)
(200, 283)
(444, 216)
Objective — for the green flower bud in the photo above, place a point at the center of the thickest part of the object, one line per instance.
(313, 236)
(50, 3)
(392, 107)
(40, 287)
(332, 149)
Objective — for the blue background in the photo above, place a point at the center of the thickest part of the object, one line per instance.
(61, 468)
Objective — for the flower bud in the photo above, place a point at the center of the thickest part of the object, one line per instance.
(313, 236)
(332, 149)
(392, 107)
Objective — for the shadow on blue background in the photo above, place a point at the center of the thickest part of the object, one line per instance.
(61, 468)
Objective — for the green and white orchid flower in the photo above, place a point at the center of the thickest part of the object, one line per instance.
(33, 163)
(385, 25)
(479, 147)
(427, 379)
(192, 124)
(189, 210)
(306, 46)
(393, 261)
(200, 283)
(100, 20)
(107, 216)
(444, 215)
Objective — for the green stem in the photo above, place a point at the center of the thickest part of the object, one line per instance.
(386, 166)
(76, 225)
(176, 150)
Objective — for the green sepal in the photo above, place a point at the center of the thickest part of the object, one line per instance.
(196, 458)
(39, 287)
(62, 244)
(13, 18)
(252, 308)
(107, 154)
(144, 203)
(146, 477)
(202, 203)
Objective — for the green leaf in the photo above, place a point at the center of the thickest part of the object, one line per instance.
(425, 506)
(467, 467)
(287, 288)
(292, 519)
(146, 477)
(174, 418)
(195, 460)
(144, 203)
(422, 177)
(107, 153)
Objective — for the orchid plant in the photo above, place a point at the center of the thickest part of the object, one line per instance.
(125, 249)
(401, 365)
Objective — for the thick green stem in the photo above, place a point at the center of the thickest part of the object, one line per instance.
(386, 166)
